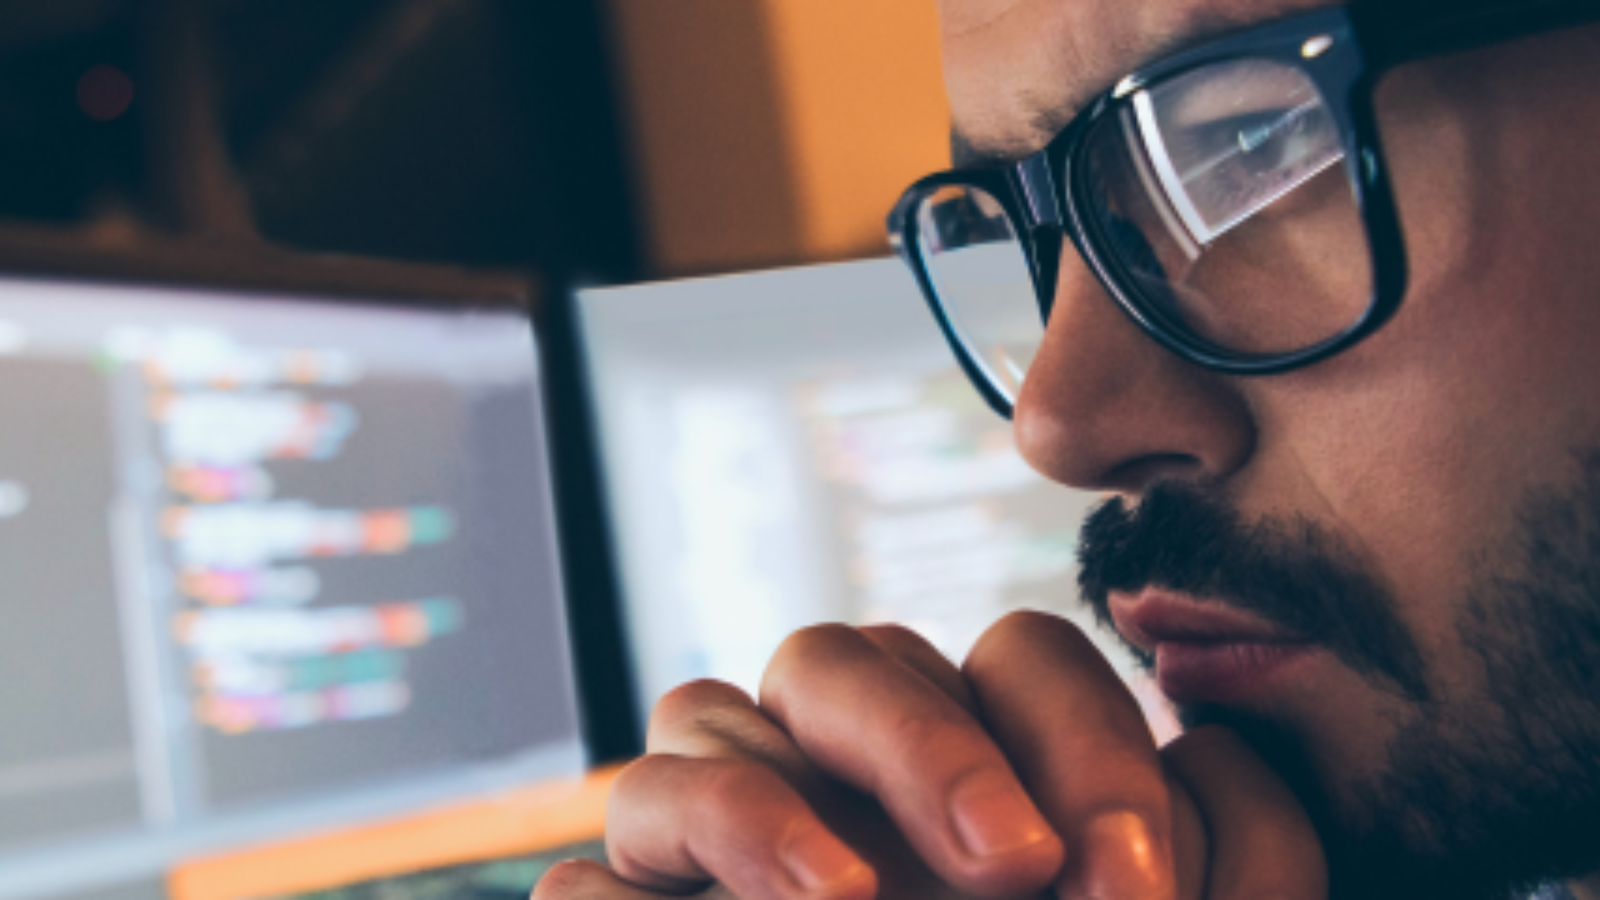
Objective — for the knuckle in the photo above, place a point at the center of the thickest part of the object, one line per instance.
(893, 634)
(812, 642)
(1001, 643)
(1028, 624)
(693, 697)
(632, 784)
(572, 879)
(805, 651)
(692, 708)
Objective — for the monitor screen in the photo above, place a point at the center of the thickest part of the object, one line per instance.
(271, 564)
(799, 446)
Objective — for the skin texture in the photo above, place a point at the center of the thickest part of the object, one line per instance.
(1410, 448)
(868, 766)
(874, 736)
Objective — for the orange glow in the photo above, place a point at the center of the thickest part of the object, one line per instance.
(777, 131)
(865, 110)
(518, 822)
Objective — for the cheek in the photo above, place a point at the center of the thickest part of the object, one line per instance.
(1491, 360)
(1417, 445)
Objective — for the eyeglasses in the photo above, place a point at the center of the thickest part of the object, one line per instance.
(1232, 199)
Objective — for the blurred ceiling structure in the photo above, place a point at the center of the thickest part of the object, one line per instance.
(477, 132)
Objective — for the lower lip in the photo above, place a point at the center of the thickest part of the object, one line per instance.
(1220, 673)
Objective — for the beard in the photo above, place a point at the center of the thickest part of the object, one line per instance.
(1480, 798)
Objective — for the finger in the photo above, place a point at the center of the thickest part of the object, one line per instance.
(876, 724)
(583, 879)
(1262, 843)
(925, 659)
(1189, 842)
(1081, 745)
(715, 720)
(676, 824)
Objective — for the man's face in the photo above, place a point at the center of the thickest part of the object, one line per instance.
(1435, 490)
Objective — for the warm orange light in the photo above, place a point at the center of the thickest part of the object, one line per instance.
(515, 823)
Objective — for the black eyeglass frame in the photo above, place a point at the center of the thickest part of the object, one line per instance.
(1041, 193)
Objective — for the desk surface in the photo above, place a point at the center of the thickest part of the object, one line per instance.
(515, 822)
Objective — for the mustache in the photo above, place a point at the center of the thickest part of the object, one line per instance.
(1288, 572)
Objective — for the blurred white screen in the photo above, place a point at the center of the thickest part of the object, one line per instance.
(799, 446)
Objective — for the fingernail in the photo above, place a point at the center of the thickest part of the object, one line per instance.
(1121, 858)
(992, 816)
(817, 860)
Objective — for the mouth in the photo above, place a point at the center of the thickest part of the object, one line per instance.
(1206, 652)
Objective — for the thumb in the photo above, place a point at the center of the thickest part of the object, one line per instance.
(1254, 838)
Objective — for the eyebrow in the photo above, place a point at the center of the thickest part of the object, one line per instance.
(1199, 26)
(966, 155)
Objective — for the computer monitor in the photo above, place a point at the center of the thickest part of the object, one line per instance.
(798, 446)
(273, 563)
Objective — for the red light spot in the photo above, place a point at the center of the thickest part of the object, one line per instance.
(104, 93)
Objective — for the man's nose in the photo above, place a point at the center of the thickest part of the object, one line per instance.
(1105, 407)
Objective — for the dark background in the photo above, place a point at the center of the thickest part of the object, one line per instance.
(473, 133)
(479, 132)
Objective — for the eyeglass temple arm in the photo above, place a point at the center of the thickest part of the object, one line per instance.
(1423, 28)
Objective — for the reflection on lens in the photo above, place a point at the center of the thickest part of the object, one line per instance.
(1220, 197)
(1228, 140)
(980, 274)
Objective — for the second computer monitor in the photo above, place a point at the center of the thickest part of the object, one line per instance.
(798, 446)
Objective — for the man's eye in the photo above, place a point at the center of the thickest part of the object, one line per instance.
(1211, 142)
(1251, 137)
(1255, 141)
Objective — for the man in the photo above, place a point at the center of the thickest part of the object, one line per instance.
(1353, 443)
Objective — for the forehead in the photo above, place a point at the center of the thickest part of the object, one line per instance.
(1017, 70)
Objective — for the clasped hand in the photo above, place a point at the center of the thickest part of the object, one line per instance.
(873, 767)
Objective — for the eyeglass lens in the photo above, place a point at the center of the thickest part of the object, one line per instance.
(1222, 198)
(980, 273)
